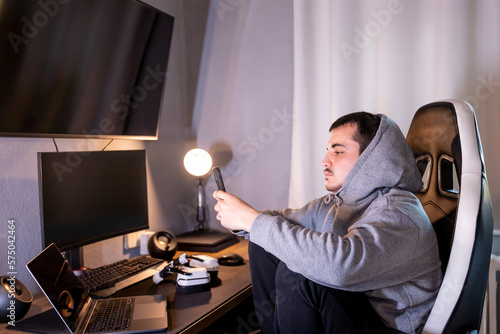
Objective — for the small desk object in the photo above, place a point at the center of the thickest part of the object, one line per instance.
(205, 241)
(187, 313)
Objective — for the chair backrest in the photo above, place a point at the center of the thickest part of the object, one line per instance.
(455, 196)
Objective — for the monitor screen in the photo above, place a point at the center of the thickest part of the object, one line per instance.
(82, 68)
(91, 196)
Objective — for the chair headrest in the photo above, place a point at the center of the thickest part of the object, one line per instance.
(434, 138)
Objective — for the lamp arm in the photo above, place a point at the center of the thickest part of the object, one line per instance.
(201, 204)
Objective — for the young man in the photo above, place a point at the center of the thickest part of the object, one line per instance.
(364, 258)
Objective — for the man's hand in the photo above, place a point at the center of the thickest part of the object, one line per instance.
(233, 213)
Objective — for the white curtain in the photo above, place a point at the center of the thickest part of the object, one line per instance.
(390, 57)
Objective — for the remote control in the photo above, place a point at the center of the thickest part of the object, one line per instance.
(218, 178)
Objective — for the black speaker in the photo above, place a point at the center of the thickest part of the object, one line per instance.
(162, 245)
(15, 299)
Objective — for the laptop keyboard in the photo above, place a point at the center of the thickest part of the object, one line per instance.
(111, 315)
(107, 276)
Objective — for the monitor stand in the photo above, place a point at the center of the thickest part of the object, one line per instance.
(206, 241)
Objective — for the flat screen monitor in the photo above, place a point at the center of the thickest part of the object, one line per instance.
(86, 197)
(82, 68)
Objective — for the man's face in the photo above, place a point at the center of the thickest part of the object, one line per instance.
(342, 153)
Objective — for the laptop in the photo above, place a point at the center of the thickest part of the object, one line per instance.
(82, 313)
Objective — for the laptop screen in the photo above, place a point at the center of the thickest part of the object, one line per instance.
(57, 280)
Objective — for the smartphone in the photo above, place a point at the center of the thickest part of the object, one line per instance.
(218, 178)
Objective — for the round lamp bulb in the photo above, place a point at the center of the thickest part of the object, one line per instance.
(197, 162)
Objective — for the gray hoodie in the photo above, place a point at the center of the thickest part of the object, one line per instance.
(372, 235)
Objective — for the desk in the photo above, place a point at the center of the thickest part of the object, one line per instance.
(188, 313)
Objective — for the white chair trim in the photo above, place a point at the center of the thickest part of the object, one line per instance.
(465, 227)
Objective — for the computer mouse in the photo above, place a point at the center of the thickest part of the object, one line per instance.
(230, 259)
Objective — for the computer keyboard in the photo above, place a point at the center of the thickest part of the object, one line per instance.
(108, 279)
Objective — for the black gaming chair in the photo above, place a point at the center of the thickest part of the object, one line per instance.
(455, 196)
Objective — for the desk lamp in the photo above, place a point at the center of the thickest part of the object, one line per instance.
(198, 163)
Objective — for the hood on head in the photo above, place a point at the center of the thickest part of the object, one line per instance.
(388, 162)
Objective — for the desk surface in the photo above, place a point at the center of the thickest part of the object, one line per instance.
(188, 313)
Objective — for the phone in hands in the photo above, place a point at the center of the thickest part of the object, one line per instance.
(220, 186)
(218, 178)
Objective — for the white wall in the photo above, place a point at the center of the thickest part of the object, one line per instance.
(243, 110)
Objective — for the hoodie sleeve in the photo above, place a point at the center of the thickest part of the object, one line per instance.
(376, 252)
(300, 217)
(303, 217)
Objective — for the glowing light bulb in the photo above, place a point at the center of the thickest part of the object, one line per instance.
(197, 162)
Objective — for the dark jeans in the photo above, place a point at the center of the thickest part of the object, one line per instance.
(287, 303)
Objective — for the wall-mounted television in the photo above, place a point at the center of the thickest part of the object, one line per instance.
(82, 68)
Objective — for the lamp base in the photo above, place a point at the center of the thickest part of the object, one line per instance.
(205, 241)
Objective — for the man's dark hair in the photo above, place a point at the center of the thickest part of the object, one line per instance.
(367, 127)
